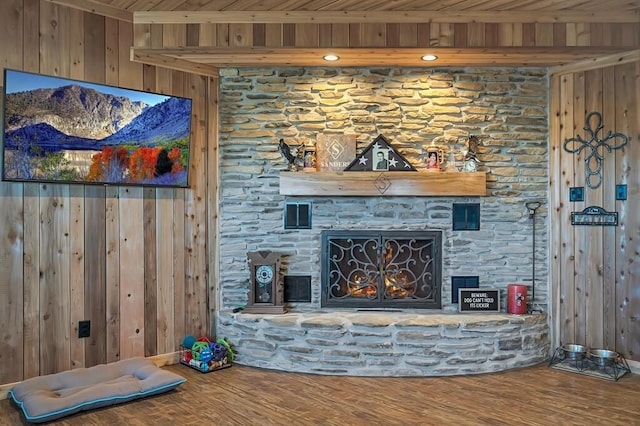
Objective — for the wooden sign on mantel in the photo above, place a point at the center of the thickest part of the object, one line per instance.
(414, 184)
(334, 152)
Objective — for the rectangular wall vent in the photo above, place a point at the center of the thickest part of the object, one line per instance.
(297, 288)
(466, 217)
(297, 215)
(462, 282)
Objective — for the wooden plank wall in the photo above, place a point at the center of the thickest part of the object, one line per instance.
(419, 35)
(596, 270)
(141, 263)
(131, 260)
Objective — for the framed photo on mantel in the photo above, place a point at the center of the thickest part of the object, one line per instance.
(334, 151)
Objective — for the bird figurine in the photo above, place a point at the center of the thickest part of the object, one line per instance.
(296, 161)
(472, 148)
(470, 156)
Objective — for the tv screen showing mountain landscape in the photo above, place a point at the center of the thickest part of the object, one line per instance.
(68, 131)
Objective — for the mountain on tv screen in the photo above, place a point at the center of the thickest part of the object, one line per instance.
(68, 131)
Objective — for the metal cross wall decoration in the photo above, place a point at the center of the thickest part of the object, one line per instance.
(595, 155)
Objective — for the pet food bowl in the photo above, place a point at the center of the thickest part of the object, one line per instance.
(574, 352)
(603, 357)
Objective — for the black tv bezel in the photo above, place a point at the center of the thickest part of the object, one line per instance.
(3, 178)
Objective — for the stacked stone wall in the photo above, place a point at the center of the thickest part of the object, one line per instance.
(414, 109)
(387, 344)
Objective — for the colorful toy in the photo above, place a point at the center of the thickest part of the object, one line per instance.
(203, 339)
(206, 355)
(227, 345)
(197, 348)
(218, 350)
(188, 342)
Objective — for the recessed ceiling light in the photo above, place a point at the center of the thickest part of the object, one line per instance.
(429, 57)
(330, 57)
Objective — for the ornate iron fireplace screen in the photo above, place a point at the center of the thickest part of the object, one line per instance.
(380, 269)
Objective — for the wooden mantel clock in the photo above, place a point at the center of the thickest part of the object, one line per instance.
(265, 286)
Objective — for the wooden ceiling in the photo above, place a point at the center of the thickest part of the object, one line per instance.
(204, 59)
(443, 6)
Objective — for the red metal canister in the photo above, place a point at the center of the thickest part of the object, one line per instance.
(517, 299)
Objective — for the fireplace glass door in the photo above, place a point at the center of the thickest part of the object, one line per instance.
(381, 269)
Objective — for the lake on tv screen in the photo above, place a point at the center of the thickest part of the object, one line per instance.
(70, 131)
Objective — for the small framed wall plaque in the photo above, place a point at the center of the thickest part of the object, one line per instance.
(576, 193)
(479, 300)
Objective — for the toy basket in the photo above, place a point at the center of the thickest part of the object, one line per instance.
(206, 356)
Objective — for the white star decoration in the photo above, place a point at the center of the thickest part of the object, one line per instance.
(392, 162)
(363, 160)
(406, 165)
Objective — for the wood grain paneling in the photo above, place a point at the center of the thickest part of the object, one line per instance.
(212, 88)
(580, 241)
(594, 285)
(97, 254)
(556, 207)
(112, 276)
(11, 282)
(179, 266)
(566, 257)
(627, 82)
(150, 273)
(76, 273)
(11, 34)
(131, 272)
(273, 35)
(31, 308)
(611, 250)
(340, 35)
(54, 309)
(597, 276)
(95, 273)
(31, 36)
(197, 321)
(165, 290)
(307, 35)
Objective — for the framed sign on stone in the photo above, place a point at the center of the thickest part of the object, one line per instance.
(478, 300)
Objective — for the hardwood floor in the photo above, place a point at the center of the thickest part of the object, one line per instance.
(248, 396)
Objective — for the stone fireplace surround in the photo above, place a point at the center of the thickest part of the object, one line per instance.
(413, 109)
(396, 342)
(387, 343)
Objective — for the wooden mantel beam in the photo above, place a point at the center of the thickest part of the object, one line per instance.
(369, 57)
(391, 16)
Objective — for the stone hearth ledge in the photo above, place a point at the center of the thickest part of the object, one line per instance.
(388, 343)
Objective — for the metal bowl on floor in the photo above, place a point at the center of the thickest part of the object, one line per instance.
(603, 357)
(574, 352)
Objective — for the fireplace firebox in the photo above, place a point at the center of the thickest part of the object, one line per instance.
(381, 269)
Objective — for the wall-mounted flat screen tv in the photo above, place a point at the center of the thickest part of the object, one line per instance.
(68, 131)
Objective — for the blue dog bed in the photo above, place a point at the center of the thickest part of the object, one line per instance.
(50, 397)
